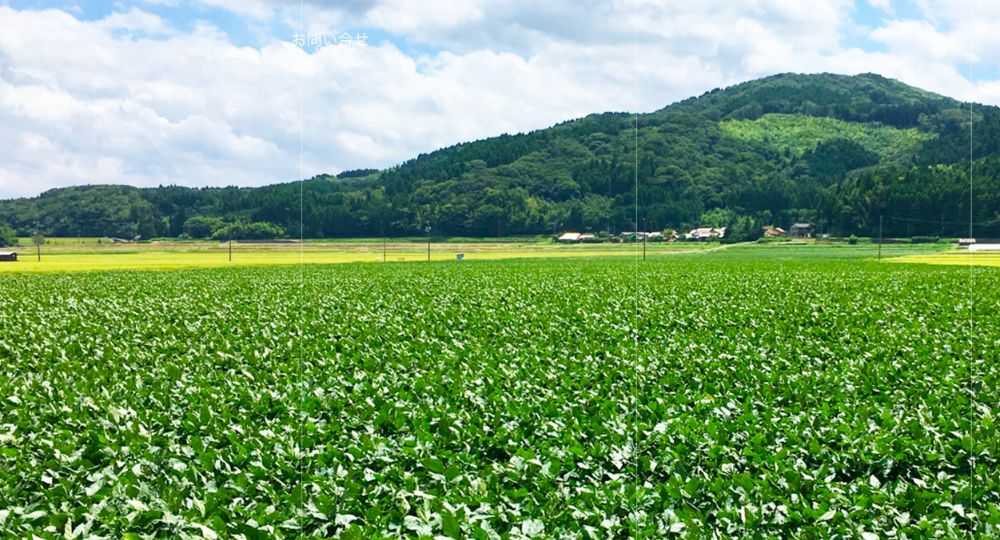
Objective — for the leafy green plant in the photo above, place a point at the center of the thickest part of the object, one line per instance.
(770, 398)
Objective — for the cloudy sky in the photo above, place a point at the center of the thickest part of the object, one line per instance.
(250, 92)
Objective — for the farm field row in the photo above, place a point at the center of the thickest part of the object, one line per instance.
(71, 257)
(954, 258)
(758, 393)
(174, 255)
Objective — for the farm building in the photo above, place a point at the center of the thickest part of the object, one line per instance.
(801, 230)
(632, 236)
(702, 234)
(8, 256)
(569, 238)
(965, 242)
(774, 232)
(588, 238)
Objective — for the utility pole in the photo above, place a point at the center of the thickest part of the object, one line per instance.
(230, 250)
(382, 230)
(428, 243)
(644, 235)
(37, 238)
(880, 238)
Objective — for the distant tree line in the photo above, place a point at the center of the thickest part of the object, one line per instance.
(205, 227)
(8, 236)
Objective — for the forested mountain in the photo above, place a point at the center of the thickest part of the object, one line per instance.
(837, 151)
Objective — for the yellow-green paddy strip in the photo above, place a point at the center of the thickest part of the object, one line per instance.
(953, 258)
(168, 256)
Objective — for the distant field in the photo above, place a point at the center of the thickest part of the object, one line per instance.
(538, 239)
(954, 257)
(75, 241)
(827, 251)
(67, 255)
(63, 255)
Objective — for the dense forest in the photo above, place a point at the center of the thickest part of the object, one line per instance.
(837, 151)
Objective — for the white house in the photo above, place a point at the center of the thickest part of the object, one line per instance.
(702, 234)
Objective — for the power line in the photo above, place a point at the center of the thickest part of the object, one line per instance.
(939, 222)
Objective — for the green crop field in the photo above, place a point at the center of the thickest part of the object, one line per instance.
(768, 393)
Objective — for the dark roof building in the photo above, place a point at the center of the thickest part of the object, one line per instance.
(801, 230)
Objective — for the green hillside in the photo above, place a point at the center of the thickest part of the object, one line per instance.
(836, 150)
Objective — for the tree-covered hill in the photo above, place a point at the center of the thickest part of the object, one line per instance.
(838, 151)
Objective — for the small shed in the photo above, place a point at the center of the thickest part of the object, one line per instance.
(774, 232)
(801, 230)
(8, 256)
(569, 238)
(966, 241)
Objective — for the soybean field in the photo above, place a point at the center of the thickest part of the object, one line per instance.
(696, 396)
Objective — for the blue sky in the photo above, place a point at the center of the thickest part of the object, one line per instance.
(213, 92)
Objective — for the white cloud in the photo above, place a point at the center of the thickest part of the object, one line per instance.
(87, 106)
(415, 16)
(132, 99)
(136, 20)
(884, 5)
(921, 39)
